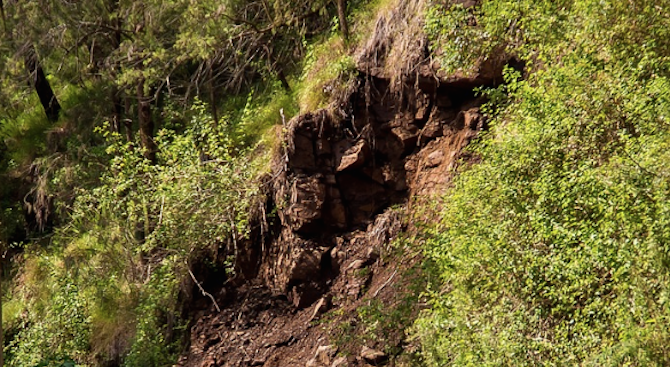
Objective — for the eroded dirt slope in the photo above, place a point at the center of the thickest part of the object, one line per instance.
(339, 192)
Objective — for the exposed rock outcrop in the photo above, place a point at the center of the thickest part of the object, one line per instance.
(400, 134)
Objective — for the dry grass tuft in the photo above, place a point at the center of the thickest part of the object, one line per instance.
(398, 44)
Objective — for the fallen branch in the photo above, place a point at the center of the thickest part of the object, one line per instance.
(203, 291)
(385, 284)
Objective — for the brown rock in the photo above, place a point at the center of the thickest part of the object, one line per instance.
(301, 154)
(389, 175)
(401, 183)
(432, 130)
(410, 165)
(422, 107)
(470, 120)
(443, 101)
(376, 174)
(373, 356)
(383, 112)
(354, 286)
(305, 294)
(305, 265)
(407, 136)
(434, 159)
(323, 356)
(340, 362)
(323, 146)
(336, 212)
(466, 3)
(473, 119)
(308, 195)
(322, 305)
(356, 264)
(336, 259)
(354, 156)
(372, 254)
(362, 195)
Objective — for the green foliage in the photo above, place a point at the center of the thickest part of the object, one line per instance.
(327, 67)
(385, 322)
(461, 37)
(253, 115)
(25, 135)
(130, 239)
(553, 250)
(155, 343)
(11, 221)
(52, 338)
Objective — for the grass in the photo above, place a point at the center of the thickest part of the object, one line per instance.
(327, 70)
(25, 135)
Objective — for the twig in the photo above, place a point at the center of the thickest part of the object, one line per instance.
(160, 216)
(385, 284)
(204, 293)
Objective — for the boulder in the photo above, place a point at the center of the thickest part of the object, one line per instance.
(305, 265)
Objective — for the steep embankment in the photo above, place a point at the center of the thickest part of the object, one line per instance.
(337, 197)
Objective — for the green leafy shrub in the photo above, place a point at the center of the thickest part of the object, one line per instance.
(51, 338)
(553, 250)
(129, 241)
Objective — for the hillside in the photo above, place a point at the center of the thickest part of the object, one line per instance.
(349, 183)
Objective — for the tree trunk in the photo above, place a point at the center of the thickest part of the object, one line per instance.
(212, 93)
(282, 79)
(39, 81)
(342, 15)
(118, 108)
(117, 111)
(127, 122)
(146, 122)
(4, 23)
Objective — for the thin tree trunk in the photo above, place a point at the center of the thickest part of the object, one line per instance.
(274, 66)
(117, 111)
(146, 122)
(342, 15)
(212, 95)
(127, 122)
(117, 107)
(39, 81)
(282, 79)
(4, 22)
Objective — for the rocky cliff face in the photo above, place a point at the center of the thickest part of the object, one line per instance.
(397, 137)
(336, 175)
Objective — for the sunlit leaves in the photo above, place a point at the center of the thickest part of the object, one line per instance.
(553, 250)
